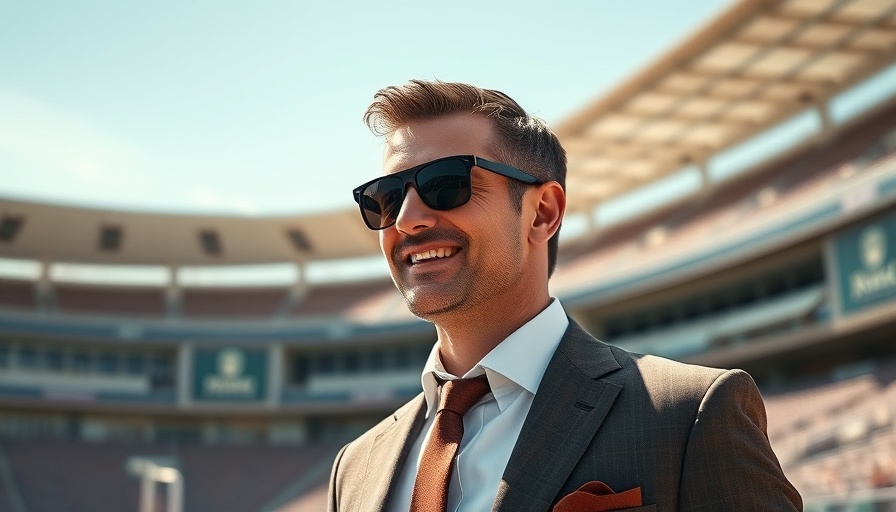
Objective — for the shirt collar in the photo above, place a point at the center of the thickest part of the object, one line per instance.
(508, 372)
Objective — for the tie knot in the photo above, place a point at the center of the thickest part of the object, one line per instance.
(461, 394)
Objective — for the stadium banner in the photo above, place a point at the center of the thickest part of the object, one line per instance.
(229, 374)
(865, 264)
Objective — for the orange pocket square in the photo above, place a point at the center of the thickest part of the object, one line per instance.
(598, 497)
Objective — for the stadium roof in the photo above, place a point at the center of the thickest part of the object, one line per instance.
(755, 65)
(72, 234)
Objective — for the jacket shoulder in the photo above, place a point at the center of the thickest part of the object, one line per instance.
(666, 380)
(365, 439)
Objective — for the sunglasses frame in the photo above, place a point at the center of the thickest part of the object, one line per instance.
(410, 176)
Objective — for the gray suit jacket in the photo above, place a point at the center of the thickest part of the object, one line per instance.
(692, 438)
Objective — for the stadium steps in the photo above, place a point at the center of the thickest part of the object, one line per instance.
(80, 476)
(309, 492)
(10, 495)
(244, 478)
(74, 476)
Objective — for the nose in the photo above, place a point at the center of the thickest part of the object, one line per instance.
(414, 216)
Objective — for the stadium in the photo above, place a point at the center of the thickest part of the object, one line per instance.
(731, 204)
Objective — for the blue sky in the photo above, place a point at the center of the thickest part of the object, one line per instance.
(255, 107)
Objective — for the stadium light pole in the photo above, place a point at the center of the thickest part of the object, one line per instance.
(150, 473)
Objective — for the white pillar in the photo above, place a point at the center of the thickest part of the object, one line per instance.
(184, 374)
(43, 289)
(703, 167)
(275, 375)
(300, 288)
(147, 493)
(172, 293)
(827, 126)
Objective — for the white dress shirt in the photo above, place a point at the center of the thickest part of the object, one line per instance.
(491, 427)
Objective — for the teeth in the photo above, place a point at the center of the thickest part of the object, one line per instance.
(433, 253)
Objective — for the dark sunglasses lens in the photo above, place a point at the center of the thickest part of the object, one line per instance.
(380, 202)
(444, 185)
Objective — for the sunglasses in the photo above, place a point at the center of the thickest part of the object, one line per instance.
(442, 184)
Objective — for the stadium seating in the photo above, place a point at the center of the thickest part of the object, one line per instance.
(55, 475)
(241, 478)
(333, 299)
(6, 502)
(110, 300)
(17, 294)
(315, 500)
(232, 302)
(837, 437)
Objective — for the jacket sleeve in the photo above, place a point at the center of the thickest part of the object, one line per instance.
(333, 492)
(729, 464)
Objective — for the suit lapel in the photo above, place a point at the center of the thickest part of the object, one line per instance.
(567, 411)
(388, 455)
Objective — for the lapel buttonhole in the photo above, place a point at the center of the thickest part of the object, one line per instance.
(583, 406)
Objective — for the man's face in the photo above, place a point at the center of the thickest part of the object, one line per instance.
(456, 260)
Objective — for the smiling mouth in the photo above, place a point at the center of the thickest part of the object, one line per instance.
(432, 254)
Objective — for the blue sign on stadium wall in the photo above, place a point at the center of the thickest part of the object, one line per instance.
(866, 264)
(229, 374)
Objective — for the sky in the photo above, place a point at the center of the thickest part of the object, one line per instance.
(254, 108)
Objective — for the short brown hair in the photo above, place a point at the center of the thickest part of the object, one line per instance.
(523, 141)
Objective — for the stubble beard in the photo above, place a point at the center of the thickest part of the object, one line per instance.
(465, 292)
(432, 308)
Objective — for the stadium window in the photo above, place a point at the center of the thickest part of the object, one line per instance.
(27, 358)
(177, 434)
(678, 312)
(108, 363)
(299, 241)
(403, 357)
(9, 227)
(691, 310)
(81, 362)
(53, 359)
(810, 273)
(665, 317)
(110, 238)
(750, 296)
(653, 319)
(160, 371)
(378, 360)
(777, 287)
(326, 364)
(710, 304)
(423, 352)
(210, 242)
(300, 369)
(639, 324)
(135, 364)
(627, 325)
(352, 362)
(736, 298)
(612, 328)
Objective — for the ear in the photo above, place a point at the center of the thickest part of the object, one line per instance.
(549, 200)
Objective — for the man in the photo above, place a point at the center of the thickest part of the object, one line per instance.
(468, 210)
